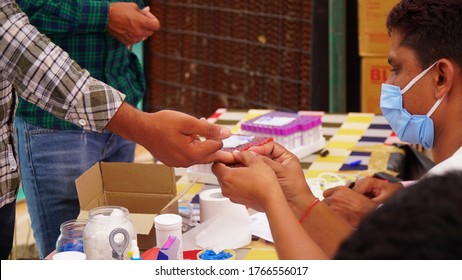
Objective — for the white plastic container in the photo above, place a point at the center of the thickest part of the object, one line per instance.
(169, 225)
(69, 255)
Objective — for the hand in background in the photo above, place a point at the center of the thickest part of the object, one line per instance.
(349, 204)
(354, 204)
(130, 25)
(378, 190)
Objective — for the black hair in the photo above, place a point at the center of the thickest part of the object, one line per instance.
(420, 222)
(432, 28)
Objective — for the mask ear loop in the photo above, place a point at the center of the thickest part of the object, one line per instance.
(435, 106)
(413, 81)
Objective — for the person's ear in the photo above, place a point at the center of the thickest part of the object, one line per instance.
(444, 78)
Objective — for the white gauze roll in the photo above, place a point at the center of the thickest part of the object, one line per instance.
(212, 202)
(227, 224)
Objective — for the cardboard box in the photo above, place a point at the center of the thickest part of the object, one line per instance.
(146, 190)
(374, 72)
(373, 34)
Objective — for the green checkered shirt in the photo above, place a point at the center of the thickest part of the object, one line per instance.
(79, 27)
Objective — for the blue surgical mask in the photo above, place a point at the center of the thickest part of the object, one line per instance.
(414, 129)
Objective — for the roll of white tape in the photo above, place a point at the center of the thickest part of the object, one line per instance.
(212, 202)
(227, 224)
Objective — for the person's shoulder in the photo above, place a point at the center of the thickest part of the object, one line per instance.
(451, 163)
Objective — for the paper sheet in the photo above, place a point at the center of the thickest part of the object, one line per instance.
(260, 226)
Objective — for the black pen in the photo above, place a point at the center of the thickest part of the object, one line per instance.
(352, 185)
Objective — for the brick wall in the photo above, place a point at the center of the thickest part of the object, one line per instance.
(235, 54)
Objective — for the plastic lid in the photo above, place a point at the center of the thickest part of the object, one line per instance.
(168, 221)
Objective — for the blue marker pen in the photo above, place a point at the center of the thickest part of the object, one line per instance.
(355, 163)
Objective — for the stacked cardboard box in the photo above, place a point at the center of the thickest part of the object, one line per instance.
(373, 48)
(146, 190)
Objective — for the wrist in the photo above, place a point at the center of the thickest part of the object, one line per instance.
(300, 204)
(147, 124)
(272, 196)
(313, 203)
(127, 122)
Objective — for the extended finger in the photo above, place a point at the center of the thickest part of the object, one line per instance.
(223, 157)
(207, 130)
(329, 192)
(273, 150)
(363, 186)
(205, 151)
(276, 166)
(219, 168)
(246, 158)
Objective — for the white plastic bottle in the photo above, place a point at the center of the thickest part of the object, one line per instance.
(135, 251)
(169, 225)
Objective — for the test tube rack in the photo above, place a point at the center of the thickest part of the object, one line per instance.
(300, 134)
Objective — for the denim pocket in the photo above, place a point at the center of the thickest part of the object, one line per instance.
(33, 130)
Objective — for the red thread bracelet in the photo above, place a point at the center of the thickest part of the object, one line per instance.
(308, 210)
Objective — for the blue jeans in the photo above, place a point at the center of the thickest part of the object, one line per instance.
(50, 161)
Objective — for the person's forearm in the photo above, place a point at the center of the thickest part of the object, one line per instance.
(290, 239)
(129, 123)
(324, 226)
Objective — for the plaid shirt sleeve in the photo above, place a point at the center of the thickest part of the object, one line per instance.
(67, 16)
(45, 75)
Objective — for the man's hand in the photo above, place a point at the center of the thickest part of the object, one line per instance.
(354, 204)
(130, 25)
(378, 190)
(349, 204)
(174, 138)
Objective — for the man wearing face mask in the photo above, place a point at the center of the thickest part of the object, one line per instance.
(421, 99)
